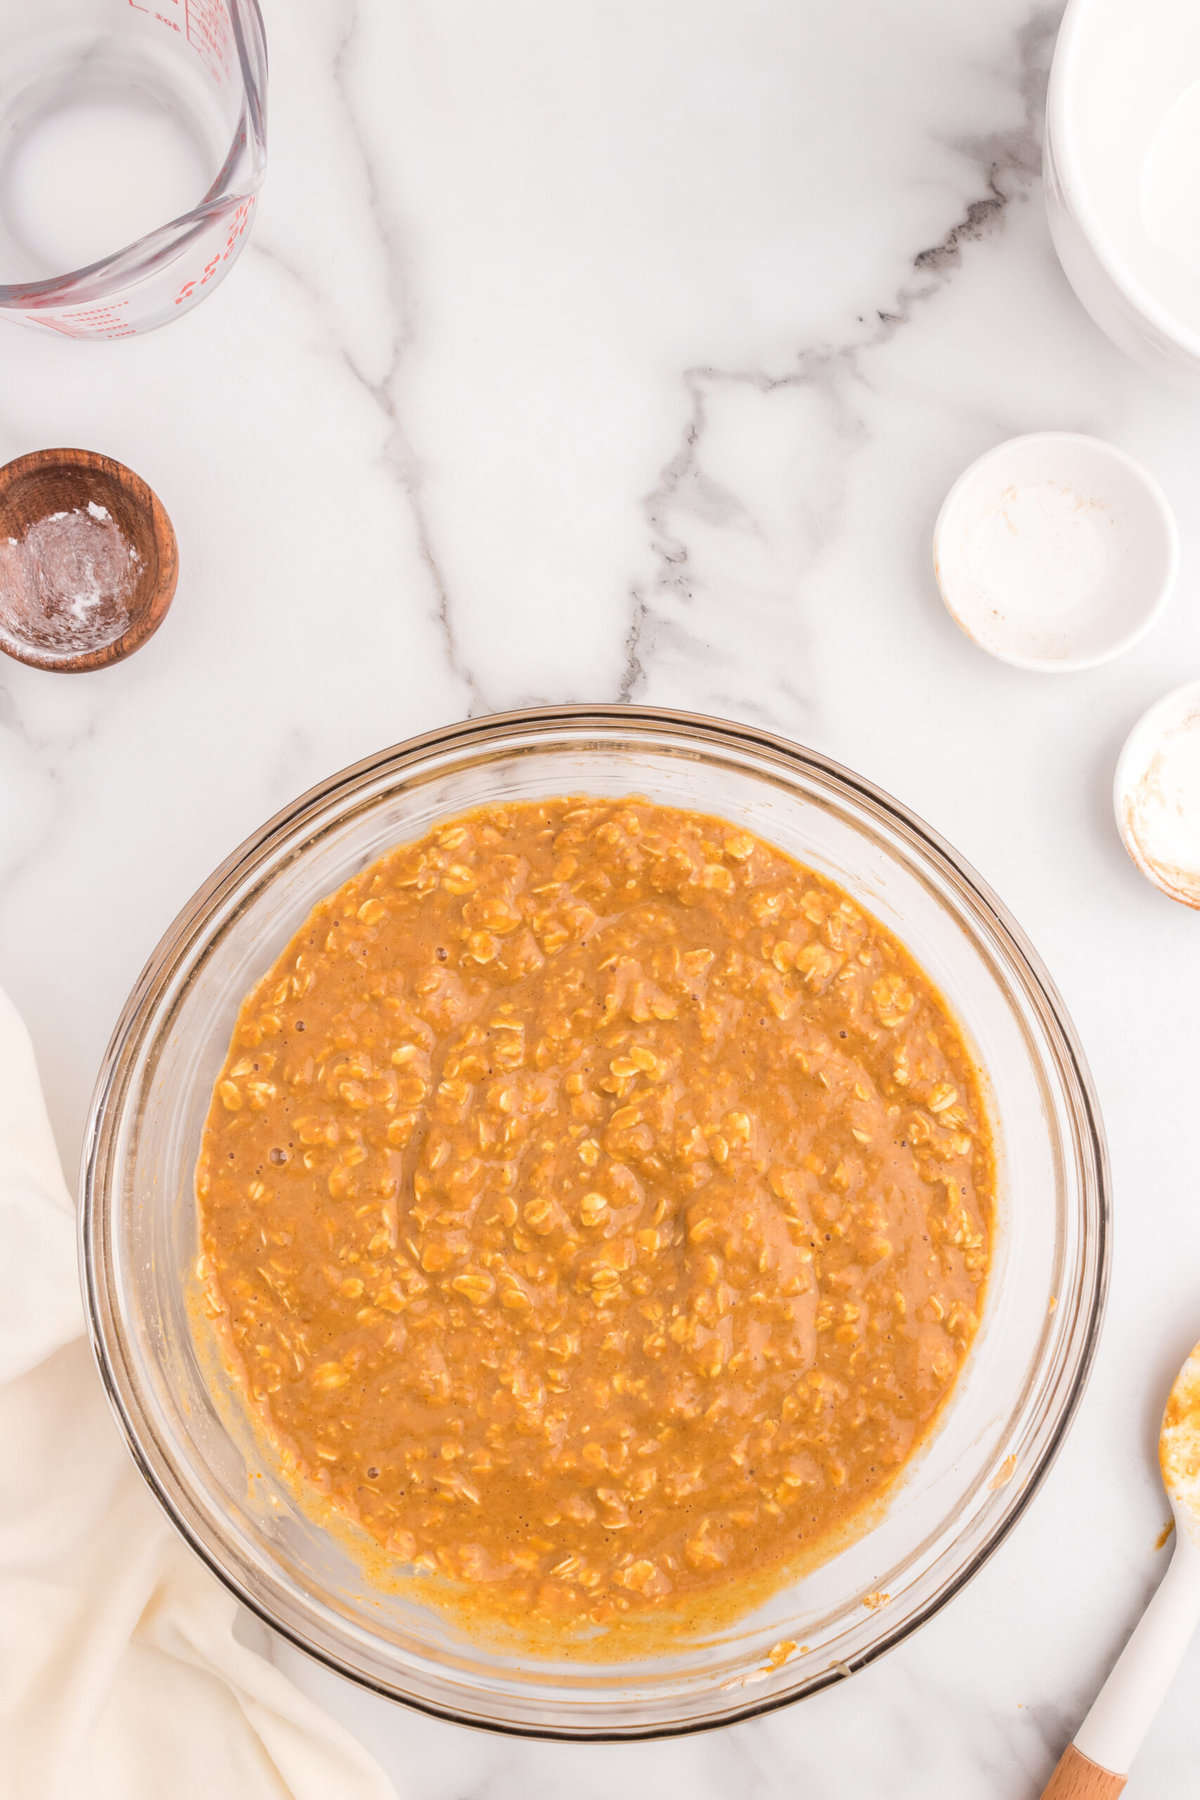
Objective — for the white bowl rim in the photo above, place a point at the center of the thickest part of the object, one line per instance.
(1142, 731)
(1061, 149)
(1068, 665)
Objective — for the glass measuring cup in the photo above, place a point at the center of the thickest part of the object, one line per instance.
(132, 146)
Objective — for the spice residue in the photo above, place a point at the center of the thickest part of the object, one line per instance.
(67, 585)
(1003, 1475)
(1040, 564)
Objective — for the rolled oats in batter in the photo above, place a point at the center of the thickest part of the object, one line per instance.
(596, 1208)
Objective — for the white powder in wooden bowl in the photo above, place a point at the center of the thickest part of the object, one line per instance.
(67, 586)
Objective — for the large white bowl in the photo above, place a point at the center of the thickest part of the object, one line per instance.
(1119, 68)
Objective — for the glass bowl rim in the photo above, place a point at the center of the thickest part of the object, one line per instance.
(193, 923)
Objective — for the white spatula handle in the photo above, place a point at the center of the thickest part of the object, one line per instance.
(1096, 1765)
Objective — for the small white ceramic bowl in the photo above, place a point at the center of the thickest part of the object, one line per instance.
(1156, 794)
(1055, 551)
(1120, 163)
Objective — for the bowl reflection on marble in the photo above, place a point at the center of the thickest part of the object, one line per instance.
(1008, 1413)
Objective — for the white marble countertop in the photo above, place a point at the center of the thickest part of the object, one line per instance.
(585, 351)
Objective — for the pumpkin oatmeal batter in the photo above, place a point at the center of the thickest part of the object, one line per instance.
(596, 1206)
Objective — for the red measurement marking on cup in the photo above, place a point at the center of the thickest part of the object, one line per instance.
(240, 221)
(152, 12)
(204, 24)
(210, 35)
(105, 321)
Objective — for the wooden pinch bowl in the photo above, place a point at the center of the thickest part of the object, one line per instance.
(50, 484)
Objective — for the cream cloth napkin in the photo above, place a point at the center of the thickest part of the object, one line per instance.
(120, 1676)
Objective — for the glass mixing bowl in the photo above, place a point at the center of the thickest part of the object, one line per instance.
(997, 1436)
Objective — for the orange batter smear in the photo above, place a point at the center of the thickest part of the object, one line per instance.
(1179, 1441)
